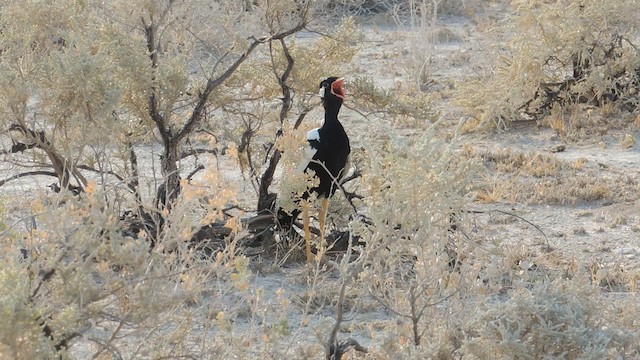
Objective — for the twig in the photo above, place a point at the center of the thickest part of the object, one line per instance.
(134, 184)
(129, 184)
(528, 222)
(195, 171)
(106, 346)
(28, 173)
(338, 183)
(45, 277)
(194, 152)
(332, 342)
(333, 349)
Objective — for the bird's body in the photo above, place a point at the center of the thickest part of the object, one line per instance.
(327, 155)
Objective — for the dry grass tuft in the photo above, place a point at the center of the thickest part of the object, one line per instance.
(542, 178)
(628, 141)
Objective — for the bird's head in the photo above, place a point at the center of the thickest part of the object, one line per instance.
(331, 90)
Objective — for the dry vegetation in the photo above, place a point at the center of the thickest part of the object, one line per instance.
(170, 130)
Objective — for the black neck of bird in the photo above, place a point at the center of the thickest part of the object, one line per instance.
(331, 109)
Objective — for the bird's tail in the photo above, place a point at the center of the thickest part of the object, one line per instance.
(285, 220)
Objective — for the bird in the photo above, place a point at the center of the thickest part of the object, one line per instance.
(326, 156)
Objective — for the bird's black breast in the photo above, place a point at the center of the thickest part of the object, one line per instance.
(333, 151)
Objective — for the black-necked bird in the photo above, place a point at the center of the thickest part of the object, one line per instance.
(327, 155)
(328, 146)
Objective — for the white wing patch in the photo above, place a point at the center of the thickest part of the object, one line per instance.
(347, 167)
(309, 151)
(313, 134)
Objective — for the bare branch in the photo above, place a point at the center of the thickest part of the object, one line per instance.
(18, 147)
(528, 222)
(194, 152)
(129, 184)
(345, 346)
(213, 84)
(28, 173)
(61, 165)
(195, 171)
(134, 184)
(267, 177)
(302, 115)
(332, 343)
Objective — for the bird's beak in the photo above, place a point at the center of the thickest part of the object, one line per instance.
(337, 89)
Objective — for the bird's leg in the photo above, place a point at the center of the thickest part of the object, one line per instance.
(322, 216)
(307, 232)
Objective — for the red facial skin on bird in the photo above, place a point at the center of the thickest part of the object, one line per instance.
(336, 88)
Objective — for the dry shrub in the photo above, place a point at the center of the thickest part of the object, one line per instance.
(79, 286)
(579, 188)
(402, 8)
(495, 189)
(415, 187)
(559, 53)
(559, 318)
(414, 183)
(403, 105)
(612, 277)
